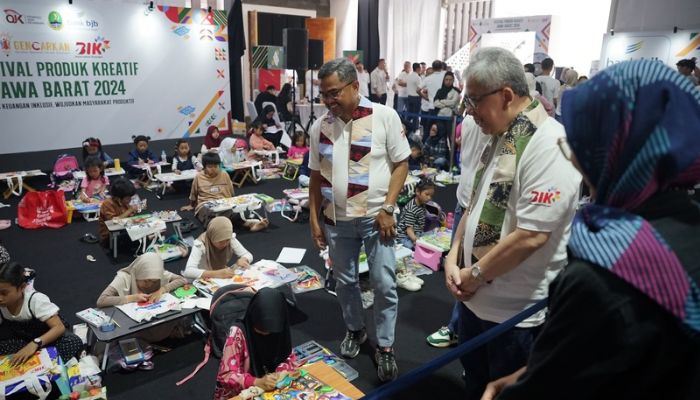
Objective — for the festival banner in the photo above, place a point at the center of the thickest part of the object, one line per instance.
(111, 70)
(667, 47)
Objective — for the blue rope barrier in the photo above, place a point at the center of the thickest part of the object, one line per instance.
(426, 116)
(411, 377)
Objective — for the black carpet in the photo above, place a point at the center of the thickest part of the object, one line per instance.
(74, 283)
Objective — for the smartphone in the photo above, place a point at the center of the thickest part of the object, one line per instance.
(131, 351)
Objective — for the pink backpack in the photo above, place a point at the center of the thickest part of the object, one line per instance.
(64, 166)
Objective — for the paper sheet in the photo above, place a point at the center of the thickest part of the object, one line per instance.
(291, 255)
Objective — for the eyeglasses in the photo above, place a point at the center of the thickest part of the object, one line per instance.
(564, 147)
(334, 93)
(473, 102)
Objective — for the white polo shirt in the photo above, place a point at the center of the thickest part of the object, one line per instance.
(472, 146)
(363, 78)
(413, 82)
(432, 83)
(543, 198)
(401, 90)
(378, 80)
(356, 183)
(550, 87)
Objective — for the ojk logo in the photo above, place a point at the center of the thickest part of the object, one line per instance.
(55, 21)
(13, 17)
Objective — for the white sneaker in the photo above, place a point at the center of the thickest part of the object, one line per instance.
(367, 298)
(404, 281)
(416, 279)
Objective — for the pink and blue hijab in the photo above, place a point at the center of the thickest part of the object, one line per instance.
(635, 130)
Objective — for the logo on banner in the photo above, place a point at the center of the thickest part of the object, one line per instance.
(545, 198)
(14, 17)
(634, 47)
(95, 48)
(5, 43)
(27, 46)
(55, 21)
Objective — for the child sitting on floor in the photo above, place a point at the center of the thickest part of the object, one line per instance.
(30, 320)
(117, 206)
(257, 141)
(212, 184)
(415, 160)
(140, 156)
(144, 280)
(299, 146)
(93, 147)
(214, 249)
(184, 160)
(94, 184)
(435, 148)
(412, 218)
(258, 348)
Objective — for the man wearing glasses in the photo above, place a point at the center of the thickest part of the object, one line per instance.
(359, 162)
(514, 232)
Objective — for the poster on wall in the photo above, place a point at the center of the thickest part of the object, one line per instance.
(527, 37)
(667, 47)
(110, 70)
(356, 56)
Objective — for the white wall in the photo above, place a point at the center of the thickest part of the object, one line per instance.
(577, 27)
(345, 14)
(654, 15)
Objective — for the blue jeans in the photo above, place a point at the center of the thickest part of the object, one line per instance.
(502, 356)
(452, 325)
(401, 105)
(406, 242)
(344, 242)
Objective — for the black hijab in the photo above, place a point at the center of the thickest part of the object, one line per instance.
(445, 90)
(267, 311)
(263, 116)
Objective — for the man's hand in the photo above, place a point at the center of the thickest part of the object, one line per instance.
(469, 284)
(452, 278)
(493, 389)
(317, 235)
(386, 226)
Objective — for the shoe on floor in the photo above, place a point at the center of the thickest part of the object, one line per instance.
(404, 281)
(350, 346)
(386, 364)
(444, 337)
(367, 298)
(416, 279)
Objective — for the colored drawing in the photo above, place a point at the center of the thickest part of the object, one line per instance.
(203, 114)
(302, 386)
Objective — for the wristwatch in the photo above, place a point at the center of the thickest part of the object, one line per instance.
(38, 342)
(388, 208)
(476, 273)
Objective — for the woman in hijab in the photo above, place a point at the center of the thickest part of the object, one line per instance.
(213, 137)
(272, 131)
(570, 80)
(624, 315)
(227, 151)
(446, 103)
(214, 249)
(284, 99)
(532, 88)
(258, 349)
(143, 280)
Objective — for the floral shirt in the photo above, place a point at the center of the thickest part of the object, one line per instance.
(234, 370)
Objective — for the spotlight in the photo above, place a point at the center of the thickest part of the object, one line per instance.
(675, 29)
(70, 2)
(612, 32)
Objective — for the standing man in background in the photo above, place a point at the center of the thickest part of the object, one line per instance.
(378, 80)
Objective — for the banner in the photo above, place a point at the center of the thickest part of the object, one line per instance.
(667, 47)
(526, 37)
(111, 70)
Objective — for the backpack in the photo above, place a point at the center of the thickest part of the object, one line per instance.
(63, 168)
(228, 307)
(434, 216)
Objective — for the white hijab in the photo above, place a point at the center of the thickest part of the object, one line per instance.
(146, 266)
(227, 156)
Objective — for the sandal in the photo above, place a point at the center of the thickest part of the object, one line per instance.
(89, 238)
(5, 223)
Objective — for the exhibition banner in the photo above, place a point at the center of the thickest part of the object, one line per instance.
(667, 47)
(526, 37)
(111, 70)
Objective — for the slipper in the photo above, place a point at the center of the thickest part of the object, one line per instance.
(89, 238)
(5, 223)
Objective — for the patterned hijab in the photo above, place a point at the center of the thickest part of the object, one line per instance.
(634, 130)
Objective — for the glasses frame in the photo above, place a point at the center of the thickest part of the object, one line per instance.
(337, 93)
(473, 102)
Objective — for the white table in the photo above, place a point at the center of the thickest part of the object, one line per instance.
(79, 175)
(15, 181)
(305, 112)
(169, 177)
(243, 171)
(116, 226)
(238, 204)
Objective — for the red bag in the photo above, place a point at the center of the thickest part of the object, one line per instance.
(42, 210)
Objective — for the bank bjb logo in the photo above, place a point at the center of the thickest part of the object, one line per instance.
(94, 48)
(545, 198)
(55, 20)
(13, 17)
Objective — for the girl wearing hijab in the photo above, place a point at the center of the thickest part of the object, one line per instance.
(272, 131)
(258, 349)
(227, 151)
(145, 279)
(446, 103)
(214, 249)
(213, 137)
(624, 315)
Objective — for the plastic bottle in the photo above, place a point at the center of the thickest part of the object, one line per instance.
(450, 220)
(163, 156)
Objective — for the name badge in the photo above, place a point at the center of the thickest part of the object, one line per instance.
(214, 189)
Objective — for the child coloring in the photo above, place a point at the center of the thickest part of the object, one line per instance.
(30, 320)
(299, 146)
(94, 184)
(140, 155)
(93, 147)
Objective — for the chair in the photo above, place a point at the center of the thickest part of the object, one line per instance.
(251, 109)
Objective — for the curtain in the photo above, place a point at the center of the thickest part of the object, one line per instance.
(236, 48)
(345, 14)
(368, 32)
